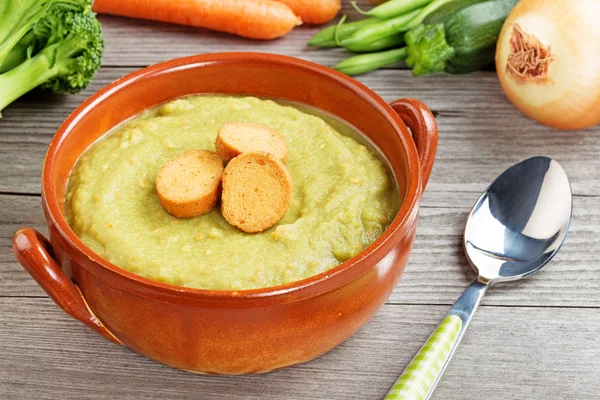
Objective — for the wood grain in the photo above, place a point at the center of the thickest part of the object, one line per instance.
(481, 133)
(18, 212)
(525, 353)
(437, 271)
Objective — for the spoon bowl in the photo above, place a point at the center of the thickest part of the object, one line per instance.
(520, 221)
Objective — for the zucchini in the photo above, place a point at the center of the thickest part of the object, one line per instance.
(459, 37)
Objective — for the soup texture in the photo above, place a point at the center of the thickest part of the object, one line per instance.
(343, 199)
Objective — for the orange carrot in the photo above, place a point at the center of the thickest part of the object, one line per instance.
(257, 19)
(314, 11)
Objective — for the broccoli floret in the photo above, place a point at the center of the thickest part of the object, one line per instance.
(73, 42)
(64, 52)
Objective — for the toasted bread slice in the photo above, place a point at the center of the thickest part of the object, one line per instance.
(188, 185)
(257, 191)
(235, 138)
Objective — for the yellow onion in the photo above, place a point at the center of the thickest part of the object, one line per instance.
(548, 61)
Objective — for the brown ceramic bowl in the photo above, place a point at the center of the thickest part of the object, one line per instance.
(230, 332)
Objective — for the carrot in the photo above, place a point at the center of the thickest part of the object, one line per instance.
(314, 11)
(257, 19)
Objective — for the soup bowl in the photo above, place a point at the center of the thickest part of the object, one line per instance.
(219, 331)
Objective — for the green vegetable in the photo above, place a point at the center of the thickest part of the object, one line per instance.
(393, 25)
(367, 62)
(326, 37)
(395, 40)
(19, 53)
(380, 29)
(17, 17)
(457, 38)
(393, 8)
(60, 51)
(427, 49)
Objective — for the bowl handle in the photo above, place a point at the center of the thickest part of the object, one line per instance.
(34, 253)
(421, 122)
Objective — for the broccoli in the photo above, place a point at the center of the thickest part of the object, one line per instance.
(19, 16)
(56, 45)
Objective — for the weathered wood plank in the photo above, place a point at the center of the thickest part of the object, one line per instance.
(481, 133)
(131, 42)
(437, 272)
(18, 212)
(525, 353)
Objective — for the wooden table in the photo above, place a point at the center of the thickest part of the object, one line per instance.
(536, 339)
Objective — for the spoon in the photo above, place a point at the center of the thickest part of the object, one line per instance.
(514, 229)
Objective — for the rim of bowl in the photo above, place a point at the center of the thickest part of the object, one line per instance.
(292, 291)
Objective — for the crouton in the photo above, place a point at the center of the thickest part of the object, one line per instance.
(257, 191)
(189, 184)
(235, 138)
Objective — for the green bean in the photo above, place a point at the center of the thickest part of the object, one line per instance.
(394, 8)
(395, 40)
(380, 29)
(393, 25)
(326, 37)
(336, 34)
(425, 11)
(360, 64)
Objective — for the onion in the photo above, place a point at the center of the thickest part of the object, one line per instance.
(548, 61)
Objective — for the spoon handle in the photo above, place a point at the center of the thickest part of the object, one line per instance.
(419, 379)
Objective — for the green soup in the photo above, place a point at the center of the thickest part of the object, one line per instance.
(343, 198)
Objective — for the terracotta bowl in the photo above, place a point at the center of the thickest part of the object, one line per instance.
(230, 332)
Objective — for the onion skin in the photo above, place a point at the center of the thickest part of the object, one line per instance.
(570, 96)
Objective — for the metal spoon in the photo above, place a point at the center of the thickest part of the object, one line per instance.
(514, 229)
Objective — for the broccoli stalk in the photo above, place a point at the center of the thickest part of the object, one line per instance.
(67, 47)
(17, 18)
(19, 53)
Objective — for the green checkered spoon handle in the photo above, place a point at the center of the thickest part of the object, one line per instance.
(419, 379)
